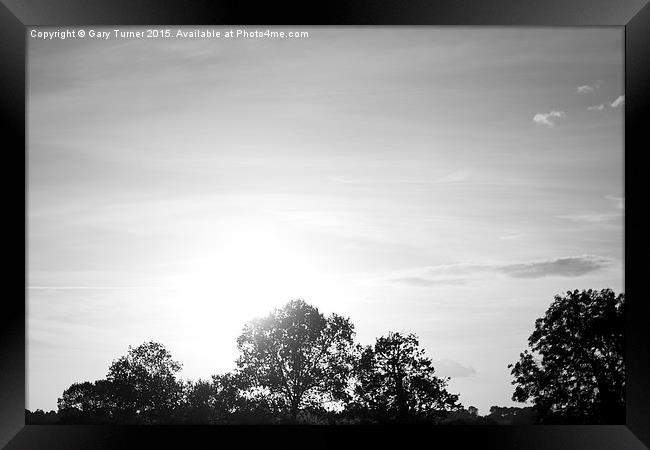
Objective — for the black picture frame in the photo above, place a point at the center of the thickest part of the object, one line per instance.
(634, 15)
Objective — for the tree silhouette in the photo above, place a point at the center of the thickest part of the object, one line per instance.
(144, 385)
(296, 357)
(87, 403)
(300, 365)
(512, 415)
(235, 402)
(575, 370)
(222, 400)
(198, 404)
(40, 417)
(396, 381)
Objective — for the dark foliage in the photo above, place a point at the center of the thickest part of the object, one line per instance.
(144, 385)
(511, 415)
(298, 366)
(88, 403)
(395, 382)
(40, 417)
(296, 357)
(140, 388)
(224, 400)
(574, 371)
(467, 416)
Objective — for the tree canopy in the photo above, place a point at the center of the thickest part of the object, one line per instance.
(396, 381)
(144, 383)
(87, 403)
(298, 365)
(298, 356)
(575, 371)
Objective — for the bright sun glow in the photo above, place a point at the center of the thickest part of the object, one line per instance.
(247, 271)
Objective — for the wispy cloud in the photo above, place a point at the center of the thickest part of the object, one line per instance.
(599, 216)
(460, 274)
(620, 100)
(549, 119)
(425, 282)
(590, 87)
(572, 266)
(591, 217)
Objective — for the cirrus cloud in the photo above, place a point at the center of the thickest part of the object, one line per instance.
(572, 266)
(461, 274)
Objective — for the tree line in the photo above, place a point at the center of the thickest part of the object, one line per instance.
(297, 365)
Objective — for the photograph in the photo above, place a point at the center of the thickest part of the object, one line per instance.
(325, 225)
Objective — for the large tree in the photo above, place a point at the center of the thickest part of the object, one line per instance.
(144, 384)
(575, 371)
(297, 357)
(395, 381)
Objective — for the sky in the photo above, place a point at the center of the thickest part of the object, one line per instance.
(437, 180)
